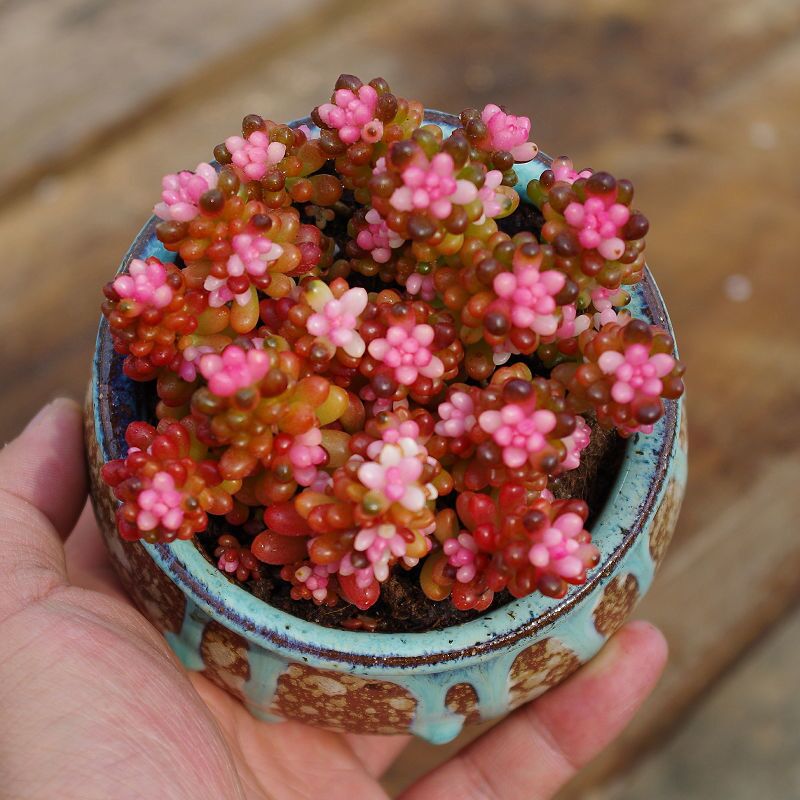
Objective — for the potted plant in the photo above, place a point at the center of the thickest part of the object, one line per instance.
(384, 423)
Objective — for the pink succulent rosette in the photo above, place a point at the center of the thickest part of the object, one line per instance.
(405, 434)
(181, 193)
(235, 559)
(635, 372)
(531, 297)
(352, 115)
(599, 222)
(558, 551)
(255, 154)
(575, 444)
(563, 170)
(394, 473)
(378, 239)
(190, 357)
(145, 283)
(407, 351)
(160, 505)
(572, 324)
(305, 454)
(456, 415)
(494, 204)
(381, 545)
(316, 577)
(228, 561)
(432, 186)
(234, 369)
(604, 300)
(518, 432)
(510, 133)
(336, 319)
(421, 285)
(461, 551)
(252, 255)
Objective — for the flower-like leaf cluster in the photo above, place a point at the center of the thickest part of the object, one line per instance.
(166, 490)
(518, 429)
(597, 236)
(510, 542)
(627, 372)
(148, 310)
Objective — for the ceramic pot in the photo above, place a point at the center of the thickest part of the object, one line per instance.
(429, 684)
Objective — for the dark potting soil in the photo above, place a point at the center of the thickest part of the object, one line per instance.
(403, 606)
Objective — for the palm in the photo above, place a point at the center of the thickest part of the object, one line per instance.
(335, 770)
(98, 661)
(94, 704)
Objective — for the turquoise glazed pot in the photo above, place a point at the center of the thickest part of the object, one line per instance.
(429, 684)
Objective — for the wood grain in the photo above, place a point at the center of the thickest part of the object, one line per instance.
(74, 71)
(741, 739)
(695, 102)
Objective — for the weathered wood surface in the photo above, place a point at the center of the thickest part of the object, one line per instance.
(741, 740)
(74, 71)
(696, 102)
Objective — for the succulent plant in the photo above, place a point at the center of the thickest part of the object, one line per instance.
(358, 372)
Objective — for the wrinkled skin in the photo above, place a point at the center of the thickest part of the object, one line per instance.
(94, 705)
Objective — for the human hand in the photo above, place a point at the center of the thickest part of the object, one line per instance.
(93, 704)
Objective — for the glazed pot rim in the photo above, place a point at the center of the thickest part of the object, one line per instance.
(623, 519)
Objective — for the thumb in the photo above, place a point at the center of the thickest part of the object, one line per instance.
(42, 492)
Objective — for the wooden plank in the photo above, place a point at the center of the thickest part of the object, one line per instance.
(72, 71)
(741, 740)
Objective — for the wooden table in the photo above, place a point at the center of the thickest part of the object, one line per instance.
(697, 102)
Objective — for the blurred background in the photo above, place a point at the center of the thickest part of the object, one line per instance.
(696, 102)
